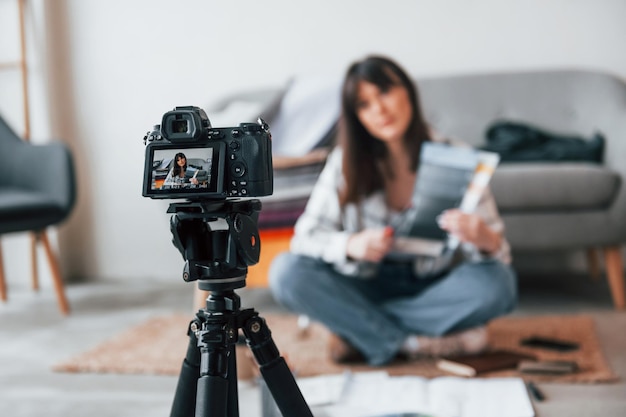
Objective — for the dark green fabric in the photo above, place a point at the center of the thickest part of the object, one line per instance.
(516, 141)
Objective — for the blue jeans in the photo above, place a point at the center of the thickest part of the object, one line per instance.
(377, 315)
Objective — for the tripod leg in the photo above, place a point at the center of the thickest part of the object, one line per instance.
(274, 369)
(184, 404)
(217, 395)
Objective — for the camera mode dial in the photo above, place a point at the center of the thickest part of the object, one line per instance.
(251, 128)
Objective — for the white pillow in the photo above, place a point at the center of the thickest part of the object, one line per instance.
(307, 112)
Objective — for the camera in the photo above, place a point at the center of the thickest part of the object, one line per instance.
(188, 158)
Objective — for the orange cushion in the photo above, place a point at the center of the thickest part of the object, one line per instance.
(273, 242)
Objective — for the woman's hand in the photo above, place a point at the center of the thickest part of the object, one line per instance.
(470, 228)
(370, 245)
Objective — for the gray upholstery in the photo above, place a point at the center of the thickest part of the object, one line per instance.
(549, 187)
(544, 206)
(37, 183)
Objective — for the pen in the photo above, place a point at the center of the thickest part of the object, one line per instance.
(535, 392)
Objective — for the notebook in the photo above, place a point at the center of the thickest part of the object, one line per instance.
(472, 365)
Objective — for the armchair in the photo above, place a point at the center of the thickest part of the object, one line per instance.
(37, 190)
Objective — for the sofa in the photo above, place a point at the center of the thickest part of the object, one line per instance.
(546, 205)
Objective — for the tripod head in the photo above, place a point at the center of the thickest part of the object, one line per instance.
(216, 254)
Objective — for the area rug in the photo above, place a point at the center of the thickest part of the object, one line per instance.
(158, 346)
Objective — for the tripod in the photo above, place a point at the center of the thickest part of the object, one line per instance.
(218, 258)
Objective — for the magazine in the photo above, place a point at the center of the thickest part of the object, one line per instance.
(448, 177)
(377, 393)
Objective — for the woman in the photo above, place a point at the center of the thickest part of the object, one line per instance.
(177, 177)
(338, 272)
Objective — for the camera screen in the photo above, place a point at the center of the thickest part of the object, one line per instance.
(185, 172)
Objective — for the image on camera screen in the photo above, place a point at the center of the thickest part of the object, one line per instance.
(188, 169)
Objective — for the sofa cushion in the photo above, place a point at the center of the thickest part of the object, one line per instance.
(546, 187)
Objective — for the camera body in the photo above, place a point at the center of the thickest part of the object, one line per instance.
(188, 158)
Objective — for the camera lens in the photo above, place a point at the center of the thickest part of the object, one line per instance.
(179, 126)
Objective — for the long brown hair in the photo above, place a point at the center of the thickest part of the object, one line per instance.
(364, 156)
(176, 168)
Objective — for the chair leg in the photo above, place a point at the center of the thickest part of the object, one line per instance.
(615, 273)
(56, 273)
(3, 284)
(34, 238)
(593, 264)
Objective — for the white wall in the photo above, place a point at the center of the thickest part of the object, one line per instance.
(113, 68)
